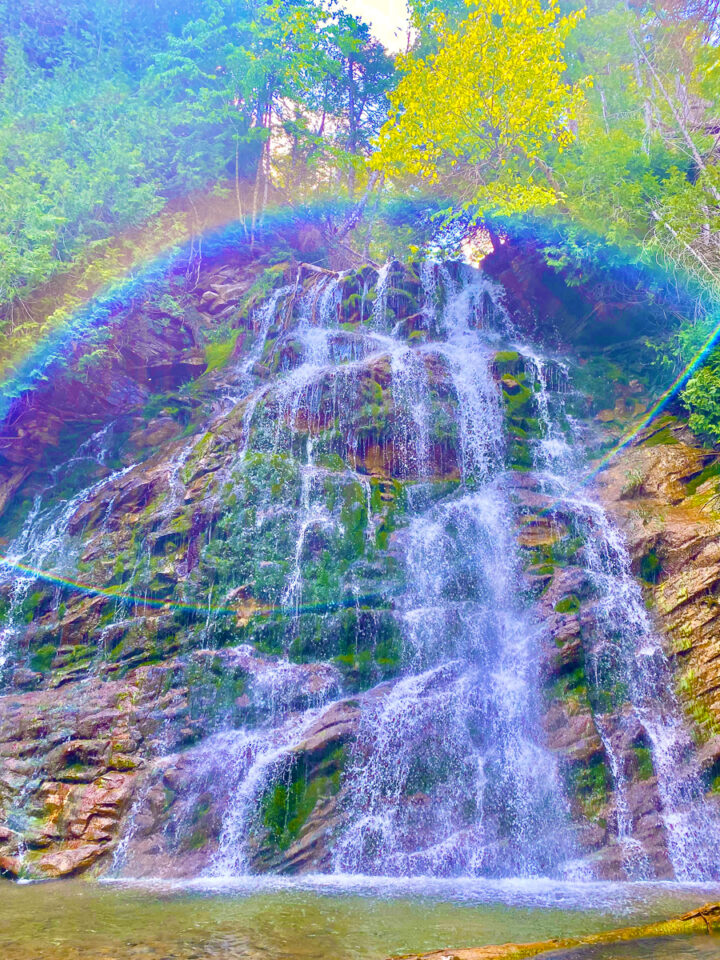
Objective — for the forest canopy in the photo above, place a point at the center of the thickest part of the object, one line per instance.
(110, 108)
(599, 121)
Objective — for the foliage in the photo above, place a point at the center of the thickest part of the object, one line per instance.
(480, 112)
(598, 126)
(617, 169)
(109, 109)
(702, 398)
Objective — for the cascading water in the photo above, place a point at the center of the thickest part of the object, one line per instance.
(44, 541)
(448, 774)
(628, 662)
(365, 499)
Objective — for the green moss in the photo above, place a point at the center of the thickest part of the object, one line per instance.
(122, 763)
(713, 470)
(333, 461)
(705, 723)
(518, 402)
(14, 517)
(598, 378)
(288, 805)
(507, 361)
(213, 688)
(557, 554)
(41, 660)
(662, 438)
(633, 483)
(201, 810)
(568, 604)
(520, 456)
(589, 784)
(354, 519)
(571, 687)
(197, 839)
(650, 566)
(30, 605)
(645, 769)
(373, 393)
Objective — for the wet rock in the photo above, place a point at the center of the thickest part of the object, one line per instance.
(334, 726)
(73, 859)
(150, 710)
(537, 532)
(672, 526)
(25, 679)
(158, 431)
(574, 736)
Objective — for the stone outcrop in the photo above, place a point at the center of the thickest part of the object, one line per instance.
(665, 493)
(73, 760)
(131, 679)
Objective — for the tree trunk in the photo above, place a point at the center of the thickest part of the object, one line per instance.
(352, 123)
(700, 163)
(358, 210)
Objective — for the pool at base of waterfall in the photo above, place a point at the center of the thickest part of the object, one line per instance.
(333, 918)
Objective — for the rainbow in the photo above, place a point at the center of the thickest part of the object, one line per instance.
(103, 309)
(665, 398)
(201, 609)
(134, 600)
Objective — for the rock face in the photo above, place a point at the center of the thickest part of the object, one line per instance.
(664, 492)
(210, 520)
(72, 758)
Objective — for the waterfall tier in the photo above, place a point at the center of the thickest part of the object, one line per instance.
(344, 603)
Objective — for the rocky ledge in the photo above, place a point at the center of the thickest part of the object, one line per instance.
(122, 717)
(664, 492)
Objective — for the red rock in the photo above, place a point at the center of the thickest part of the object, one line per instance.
(69, 860)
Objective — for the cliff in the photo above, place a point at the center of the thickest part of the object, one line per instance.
(258, 538)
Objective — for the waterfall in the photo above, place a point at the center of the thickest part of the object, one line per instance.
(628, 652)
(366, 493)
(44, 541)
(448, 774)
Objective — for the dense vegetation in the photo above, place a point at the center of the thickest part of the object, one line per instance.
(110, 108)
(622, 168)
(600, 123)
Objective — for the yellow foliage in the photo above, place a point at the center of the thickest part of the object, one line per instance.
(480, 112)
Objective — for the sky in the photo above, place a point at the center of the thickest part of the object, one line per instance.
(386, 18)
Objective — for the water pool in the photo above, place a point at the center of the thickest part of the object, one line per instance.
(327, 918)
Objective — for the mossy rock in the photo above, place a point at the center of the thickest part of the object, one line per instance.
(507, 362)
(288, 804)
(42, 658)
(568, 604)
(663, 437)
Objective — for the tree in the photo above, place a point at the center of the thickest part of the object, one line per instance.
(110, 108)
(478, 115)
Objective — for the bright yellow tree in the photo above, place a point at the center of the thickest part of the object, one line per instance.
(477, 116)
